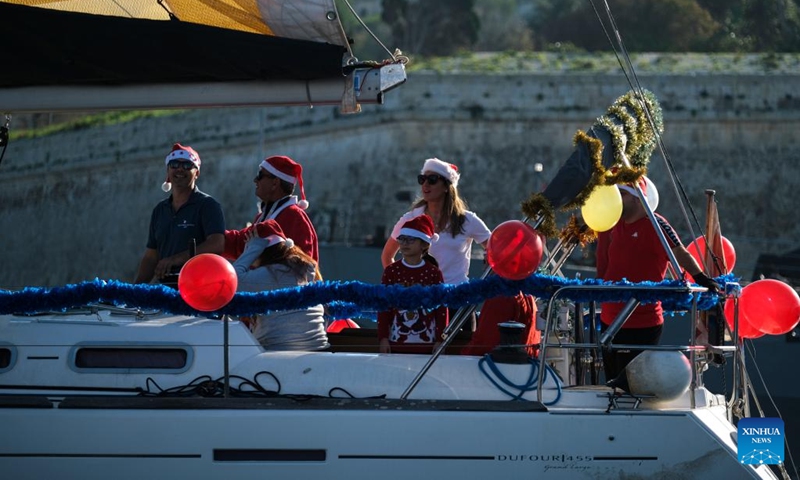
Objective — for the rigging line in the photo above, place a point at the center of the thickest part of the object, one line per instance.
(374, 37)
(611, 42)
(677, 185)
(637, 88)
(352, 58)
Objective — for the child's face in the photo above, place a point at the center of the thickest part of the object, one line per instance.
(412, 247)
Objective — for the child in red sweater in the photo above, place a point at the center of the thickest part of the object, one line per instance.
(420, 330)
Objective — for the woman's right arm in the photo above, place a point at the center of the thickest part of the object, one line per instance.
(252, 250)
(391, 247)
(389, 251)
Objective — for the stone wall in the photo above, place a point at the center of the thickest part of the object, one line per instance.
(76, 205)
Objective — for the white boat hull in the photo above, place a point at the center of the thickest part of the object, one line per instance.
(271, 439)
(324, 415)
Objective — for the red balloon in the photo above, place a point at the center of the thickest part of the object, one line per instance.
(772, 306)
(514, 250)
(746, 330)
(207, 282)
(337, 326)
(727, 251)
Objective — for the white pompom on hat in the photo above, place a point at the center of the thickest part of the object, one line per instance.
(289, 171)
(648, 188)
(446, 170)
(271, 231)
(420, 227)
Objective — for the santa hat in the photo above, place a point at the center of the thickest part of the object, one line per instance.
(179, 152)
(446, 170)
(420, 227)
(648, 188)
(289, 171)
(273, 233)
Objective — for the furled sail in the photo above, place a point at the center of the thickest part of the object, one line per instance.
(94, 55)
(314, 20)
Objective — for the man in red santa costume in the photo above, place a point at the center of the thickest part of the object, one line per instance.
(275, 183)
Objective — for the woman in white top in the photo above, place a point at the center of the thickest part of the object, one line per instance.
(457, 227)
(270, 261)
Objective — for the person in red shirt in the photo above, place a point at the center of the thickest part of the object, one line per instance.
(632, 250)
(519, 308)
(418, 330)
(275, 183)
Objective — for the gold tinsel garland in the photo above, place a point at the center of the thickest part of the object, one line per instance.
(595, 148)
(537, 205)
(578, 232)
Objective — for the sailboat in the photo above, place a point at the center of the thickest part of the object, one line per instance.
(105, 379)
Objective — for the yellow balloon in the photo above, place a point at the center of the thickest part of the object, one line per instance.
(603, 208)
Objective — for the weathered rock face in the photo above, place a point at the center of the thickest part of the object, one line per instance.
(77, 205)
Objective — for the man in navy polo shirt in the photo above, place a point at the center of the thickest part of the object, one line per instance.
(186, 215)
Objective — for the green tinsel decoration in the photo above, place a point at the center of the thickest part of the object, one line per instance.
(643, 142)
(631, 132)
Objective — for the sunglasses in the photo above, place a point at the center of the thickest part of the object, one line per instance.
(262, 174)
(175, 164)
(432, 179)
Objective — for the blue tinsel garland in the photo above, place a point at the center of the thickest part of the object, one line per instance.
(344, 299)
